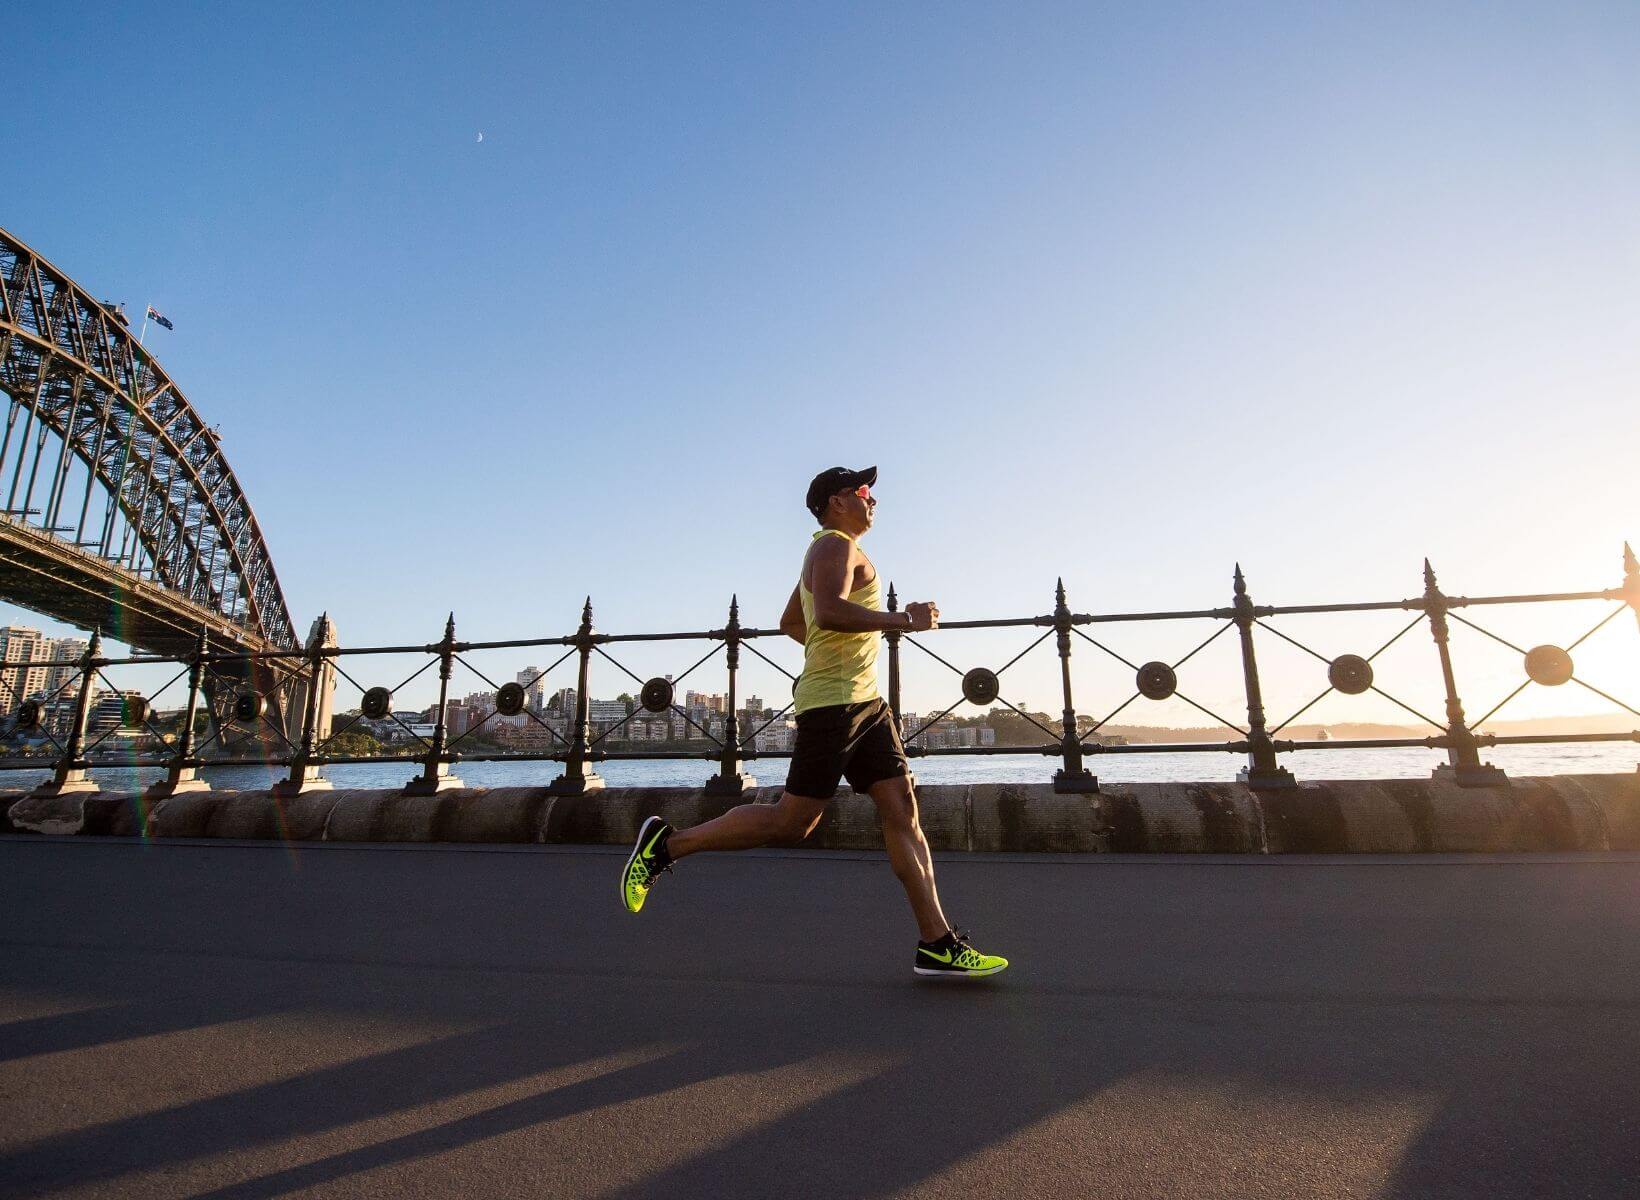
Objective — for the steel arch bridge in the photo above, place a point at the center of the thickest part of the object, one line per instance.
(120, 511)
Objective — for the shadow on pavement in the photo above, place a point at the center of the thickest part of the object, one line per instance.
(1265, 1034)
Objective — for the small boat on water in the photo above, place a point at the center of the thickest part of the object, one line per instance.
(1321, 735)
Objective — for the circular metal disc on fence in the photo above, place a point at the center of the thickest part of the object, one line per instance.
(1350, 674)
(656, 695)
(133, 711)
(509, 699)
(980, 686)
(1156, 681)
(1549, 665)
(377, 703)
(28, 714)
(248, 707)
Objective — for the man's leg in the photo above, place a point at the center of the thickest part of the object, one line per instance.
(750, 825)
(817, 764)
(740, 828)
(908, 852)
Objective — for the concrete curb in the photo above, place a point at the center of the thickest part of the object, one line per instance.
(1562, 812)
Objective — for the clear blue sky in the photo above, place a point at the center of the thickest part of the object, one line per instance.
(1120, 293)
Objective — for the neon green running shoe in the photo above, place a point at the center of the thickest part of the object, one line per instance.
(649, 859)
(954, 957)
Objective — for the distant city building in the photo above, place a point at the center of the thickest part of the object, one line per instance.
(59, 716)
(535, 689)
(654, 728)
(529, 738)
(19, 643)
(112, 710)
(64, 679)
(469, 712)
(606, 710)
(947, 735)
(776, 736)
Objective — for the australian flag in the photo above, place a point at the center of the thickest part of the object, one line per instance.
(156, 318)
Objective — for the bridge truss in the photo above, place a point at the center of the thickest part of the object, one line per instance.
(101, 451)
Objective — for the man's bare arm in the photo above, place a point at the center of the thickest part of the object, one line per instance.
(831, 570)
(791, 621)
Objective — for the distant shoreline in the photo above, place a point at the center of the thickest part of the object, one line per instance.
(1617, 722)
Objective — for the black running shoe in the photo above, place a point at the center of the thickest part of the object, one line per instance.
(648, 860)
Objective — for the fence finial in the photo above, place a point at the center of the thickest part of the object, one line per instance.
(1241, 581)
(1631, 566)
(893, 600)
(586, 612)
(1429, 575)
(1059, 592)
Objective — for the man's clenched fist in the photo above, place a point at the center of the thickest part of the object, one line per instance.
(924, 614)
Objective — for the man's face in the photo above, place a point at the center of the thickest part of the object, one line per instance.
(855, 506)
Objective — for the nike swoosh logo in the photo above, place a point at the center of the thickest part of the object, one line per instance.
(943, 958)
(649, 850)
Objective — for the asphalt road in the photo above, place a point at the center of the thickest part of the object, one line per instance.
(253, 1021)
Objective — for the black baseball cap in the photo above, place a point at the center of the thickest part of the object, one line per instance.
(838, 479)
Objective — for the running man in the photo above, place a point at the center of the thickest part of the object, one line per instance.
(844, 730)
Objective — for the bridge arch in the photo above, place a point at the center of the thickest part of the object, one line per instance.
(170, 508)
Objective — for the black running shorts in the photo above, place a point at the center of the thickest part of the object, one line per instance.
(859, 742)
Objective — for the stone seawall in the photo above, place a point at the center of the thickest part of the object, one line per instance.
(1562, 812)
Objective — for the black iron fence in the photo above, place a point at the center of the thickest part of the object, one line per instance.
(301, 679)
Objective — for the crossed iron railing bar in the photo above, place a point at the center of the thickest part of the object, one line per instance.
(1155, 680)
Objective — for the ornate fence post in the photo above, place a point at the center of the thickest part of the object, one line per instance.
(893, 638)
(435, 774)
(730, 779)
(69, 777)
(1463, 766)
(1073, 777)
(576, 779)
(183, 773)
(1262, 769)
(304, 773)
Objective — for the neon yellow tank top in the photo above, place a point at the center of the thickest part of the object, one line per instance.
(838, 668)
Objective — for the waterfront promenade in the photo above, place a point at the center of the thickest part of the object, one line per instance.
(254, 1020)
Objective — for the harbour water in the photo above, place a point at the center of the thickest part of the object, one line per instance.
(1389, 763)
